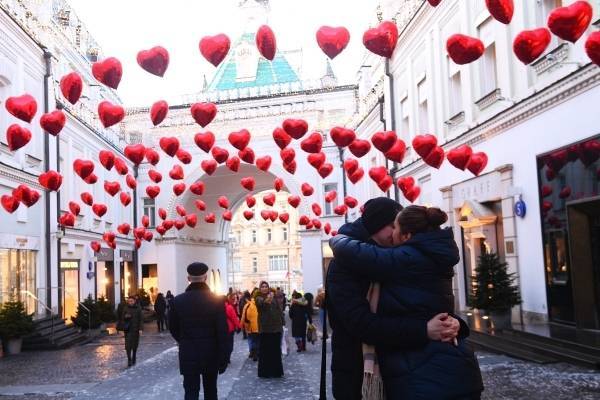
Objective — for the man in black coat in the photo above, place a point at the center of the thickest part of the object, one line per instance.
(350, 316)
(198, 323)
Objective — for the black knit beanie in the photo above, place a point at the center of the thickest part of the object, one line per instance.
(379, 212)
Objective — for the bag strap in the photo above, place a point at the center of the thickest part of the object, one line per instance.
(323, 388)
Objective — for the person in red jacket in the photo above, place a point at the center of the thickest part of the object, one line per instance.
(233, 325)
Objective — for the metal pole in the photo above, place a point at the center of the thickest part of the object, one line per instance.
(48, 243)
(344, 188)
(393, 121)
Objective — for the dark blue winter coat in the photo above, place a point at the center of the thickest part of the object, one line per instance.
(198, 323)
(416, 281)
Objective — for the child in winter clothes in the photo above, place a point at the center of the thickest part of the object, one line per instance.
(250, 321)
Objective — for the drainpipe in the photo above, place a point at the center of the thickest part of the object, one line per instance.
(48, 242)
(344, 187)
(384, 123)
(390, 76)
(135, 250)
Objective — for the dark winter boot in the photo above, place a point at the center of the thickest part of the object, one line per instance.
(128, 358)
(299, 346)
(133, 356)
(303, 343)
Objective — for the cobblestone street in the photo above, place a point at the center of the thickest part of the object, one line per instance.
(96, 371)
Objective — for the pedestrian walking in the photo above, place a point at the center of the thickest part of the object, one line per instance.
(250, 321)
(320, 303)
(168, 298)
(131, 324)
(270, 325)
(241, 305)
(233, 326)
(160, 309)
(198, 323)
(300, 315)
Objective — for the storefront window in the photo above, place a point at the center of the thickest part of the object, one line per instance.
(17, 276)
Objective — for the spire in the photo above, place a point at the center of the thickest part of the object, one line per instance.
(254, 14)
(329, 79)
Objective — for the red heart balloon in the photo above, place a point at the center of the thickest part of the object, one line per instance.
(333, 40)
(233, 163)
(99, 209)
(138, 243)
(342, 209)
(263, 163)
(592, 47)
(464, 49)
(313, 143)
(112, 188)
(203, 113)
(95, 246)
(23, 107)
(378, 173)
(205, 140)
(148, 236)
(181, 210)
(589, 152)
(406, 183)
(397, 152)
(125, 198)
(197, 188)
(356, 176)
(278, 184)
(384, 141)
(327, 228)
(179, 224)
(434, 3)
(139, 232)
(266, 42)
(294, 201)
(108, 71)
(570, 23)
(412, 194)
(501, 10)
(342, 137)
(250, 201)
(546, 205)
(385, 183)
(281, 138)
(565, 192)
(131, 182)
(71, 87)
(316, 223)
(51, 180)
(161, 230)
(219, 154)
(306, 189)
(178, 188)
(200, 205)
(91, 179)
(152, 156)
(529, 45)
(325, 170)
(265, 214)
(191, 220)
(169, 145)
(158, 112)
(215, 48)
(546, 190)
(247, 155)
(290, 167)
(295, 128)
(557, 160)
(435, 157)
(248, 214)
(155, 60)
(74, 208)
(53, 122)
(330, 196)
(350, 201)
(208, 166)
(26, 195)
(284, 217)
(477, 163)
(9, 203)
(107, 159)
(110, 114)
(83, 168)
(303, 220)
(239, 139)
(223, 202)
(269, 199)
(184, 156)
(359, 147)
(460, 156)
(152, 191)
(350, 165)
(176, 173)
(210, 218)
(124, 228)
(17, 137)
(424, 144)
(316, 209)
(135, 153)
(227, 215)
(248, 183)
(287, 155)
(121, 166)
(87, 198)
(382, 39)
(316, 160)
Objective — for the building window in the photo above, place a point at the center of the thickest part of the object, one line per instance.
(285, 234)
(405, 119)
(455, 102)
(329, 207)
(253, 236)
(423, 108)
(544, 8)
(237, 265)
(17, 276)
(278, 263)
(254, 264)
(488, 77)
(150, 210)
(269, 235)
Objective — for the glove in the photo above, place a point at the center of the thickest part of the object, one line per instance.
(222, 368)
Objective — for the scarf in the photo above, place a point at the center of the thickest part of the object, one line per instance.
(372, 386)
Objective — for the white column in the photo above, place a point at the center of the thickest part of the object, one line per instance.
(312, 260)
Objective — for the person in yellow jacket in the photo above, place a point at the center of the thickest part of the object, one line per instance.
(250, 321)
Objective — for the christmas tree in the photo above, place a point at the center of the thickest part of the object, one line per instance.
(493, 287)
(83, 319)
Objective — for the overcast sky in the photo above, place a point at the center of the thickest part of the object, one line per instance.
(123, 27)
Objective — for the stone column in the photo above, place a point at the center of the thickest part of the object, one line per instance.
(458, 287)
(312, 260)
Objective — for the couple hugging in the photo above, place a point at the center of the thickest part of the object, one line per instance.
(390, 303)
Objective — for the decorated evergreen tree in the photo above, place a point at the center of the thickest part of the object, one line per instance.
(82, 319)
(14, 320)
(106, 310)
(493, 287)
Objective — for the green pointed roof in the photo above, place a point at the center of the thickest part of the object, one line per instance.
(267, 73)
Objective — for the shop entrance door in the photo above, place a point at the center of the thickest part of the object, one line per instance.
(70, 290)
(584, 241)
